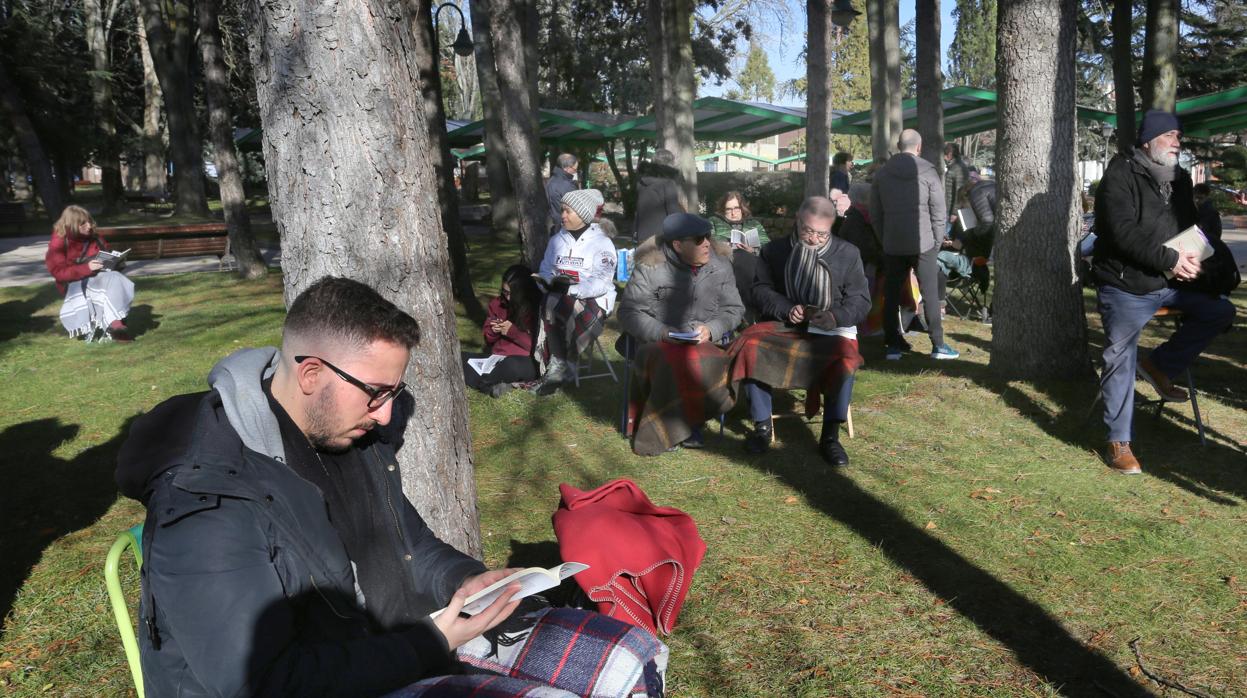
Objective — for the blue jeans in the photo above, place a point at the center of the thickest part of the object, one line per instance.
(1124, 315)
(835, 407)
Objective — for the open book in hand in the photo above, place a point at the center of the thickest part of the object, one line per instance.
(531, 581)
(1190, 240)
(112, 260)
(690, 337)
(967, 220)
(748, 238)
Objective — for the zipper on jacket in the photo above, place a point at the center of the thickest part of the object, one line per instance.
(389, 500)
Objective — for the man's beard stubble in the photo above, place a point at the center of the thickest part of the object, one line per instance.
(1163, 159)
(320, 425)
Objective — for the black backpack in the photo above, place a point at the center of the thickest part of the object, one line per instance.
(1219, 273)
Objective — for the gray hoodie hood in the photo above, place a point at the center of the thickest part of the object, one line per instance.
(237, 379)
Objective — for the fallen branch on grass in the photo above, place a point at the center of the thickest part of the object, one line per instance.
(1138, 657)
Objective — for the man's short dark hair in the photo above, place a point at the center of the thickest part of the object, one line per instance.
(840, 158)
(952, 149)
(567, 160)
(345, 310)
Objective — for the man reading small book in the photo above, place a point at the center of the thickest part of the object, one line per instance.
(280, 557)
(1145, 200)
(680, 306)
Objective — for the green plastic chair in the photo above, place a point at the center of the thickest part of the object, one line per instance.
(121, 611)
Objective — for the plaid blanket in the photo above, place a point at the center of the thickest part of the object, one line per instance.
(567, 652)
(677, 386)
(578, 322)
(784, 357)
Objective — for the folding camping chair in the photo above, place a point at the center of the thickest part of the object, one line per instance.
(130, 538)
(970, 292)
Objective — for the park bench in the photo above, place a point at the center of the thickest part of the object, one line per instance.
(167, 241)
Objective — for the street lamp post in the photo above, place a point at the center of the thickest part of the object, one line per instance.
(463, 42)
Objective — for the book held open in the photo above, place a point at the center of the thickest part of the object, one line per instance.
(748, 238)
(531, 580)
(112, 260)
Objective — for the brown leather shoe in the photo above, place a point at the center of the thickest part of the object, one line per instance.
(1121, 459)
(1164, 387)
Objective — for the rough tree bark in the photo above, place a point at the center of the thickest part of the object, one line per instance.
(221, 125)
(504, 212)
(426, 53)
(673, 86)
(821, 34)
(171, 39)
(1038, 223)
(14, 109)
(353, 189)
(930, 81)
(152, 136)
(1123, 78)
(1160, 53)
(883, 18)
(99, 22)
(519, 125)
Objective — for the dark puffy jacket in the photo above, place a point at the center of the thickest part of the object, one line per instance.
(657, 196)
(560, 183)
(856, 229)
(1132, 223)
(247, 588)
(664, 294)
(850, 297)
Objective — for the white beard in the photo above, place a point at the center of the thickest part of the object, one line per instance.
(1162, 159)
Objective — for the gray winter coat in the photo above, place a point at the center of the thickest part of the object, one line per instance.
(664, 294)
(907, 205)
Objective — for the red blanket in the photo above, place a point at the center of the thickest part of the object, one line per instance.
(785, 357)
(677, 387)
(641, 557)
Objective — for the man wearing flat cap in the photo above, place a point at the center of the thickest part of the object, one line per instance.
(1144, 200)
(679, 307)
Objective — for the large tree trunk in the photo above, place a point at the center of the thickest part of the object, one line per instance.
(1123, 78)
(821, 36)
(152, 137)
(353, 190)
(673, 87)
(171, 40)
(99, 20)
(519, 125)
(14, 109)
(426, 54)
(504, 212)
(221, 124)
(930, 81)
(1160, 53)
(1038, 223)
(883, 19)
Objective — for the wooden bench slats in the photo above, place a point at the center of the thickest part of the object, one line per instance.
(164, 241)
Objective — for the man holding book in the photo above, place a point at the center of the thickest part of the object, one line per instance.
(1146, 255)
(280, 555)
(680, 305)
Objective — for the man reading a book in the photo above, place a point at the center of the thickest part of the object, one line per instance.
(680, 306)
(280, 555)
(1143, 203)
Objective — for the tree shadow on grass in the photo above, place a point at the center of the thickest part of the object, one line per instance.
(17, 317)
(46, 497)
(142, 320)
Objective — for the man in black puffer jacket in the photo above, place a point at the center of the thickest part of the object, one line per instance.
(1144, 200)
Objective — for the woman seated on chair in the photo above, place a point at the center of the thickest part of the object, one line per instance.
(812, 286)
(578, 272)
(680, 306)
(510, 325)
(97, 299)
(734, 224)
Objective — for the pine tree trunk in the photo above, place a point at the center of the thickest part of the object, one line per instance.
(820, 34)
(883, 20)
(682, 93)
(504, 211)
(930, 81)
(426, 54)
(108, 149)
(14, 109)
(171, 41)
(152, 143)
(1123, 78)
(1160, 52)
(221, 125)
(1038, 223)
(518, 125)
(659, 69)
(353, 189)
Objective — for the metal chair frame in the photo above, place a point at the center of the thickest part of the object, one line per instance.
(130, 538)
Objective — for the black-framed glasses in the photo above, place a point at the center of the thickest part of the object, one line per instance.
(816, 234)
(696, 239)
(376, 396)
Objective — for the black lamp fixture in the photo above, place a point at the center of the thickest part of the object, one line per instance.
(843, 14)
(463, 42)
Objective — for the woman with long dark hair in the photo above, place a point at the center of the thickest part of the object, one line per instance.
(509, 329)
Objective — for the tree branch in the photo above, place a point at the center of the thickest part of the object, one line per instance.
(1138, 657)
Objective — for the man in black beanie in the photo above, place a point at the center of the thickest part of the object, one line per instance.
(1144, 200)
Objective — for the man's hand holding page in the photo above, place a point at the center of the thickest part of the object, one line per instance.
(459, 630)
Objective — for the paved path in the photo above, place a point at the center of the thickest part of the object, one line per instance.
(21, 262)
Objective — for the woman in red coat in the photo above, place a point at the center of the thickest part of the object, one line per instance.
(509, 330)
(96, 300)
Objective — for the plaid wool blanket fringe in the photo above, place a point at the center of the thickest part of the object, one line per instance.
(567, 652)
(579, 320)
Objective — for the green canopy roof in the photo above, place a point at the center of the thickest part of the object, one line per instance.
(1205, 116)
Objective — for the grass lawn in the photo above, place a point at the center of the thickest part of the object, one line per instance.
(977, 545)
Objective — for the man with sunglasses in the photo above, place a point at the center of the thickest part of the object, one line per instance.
(680, 305)
(280, 555)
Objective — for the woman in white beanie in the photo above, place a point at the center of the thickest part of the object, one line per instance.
(579, 273)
